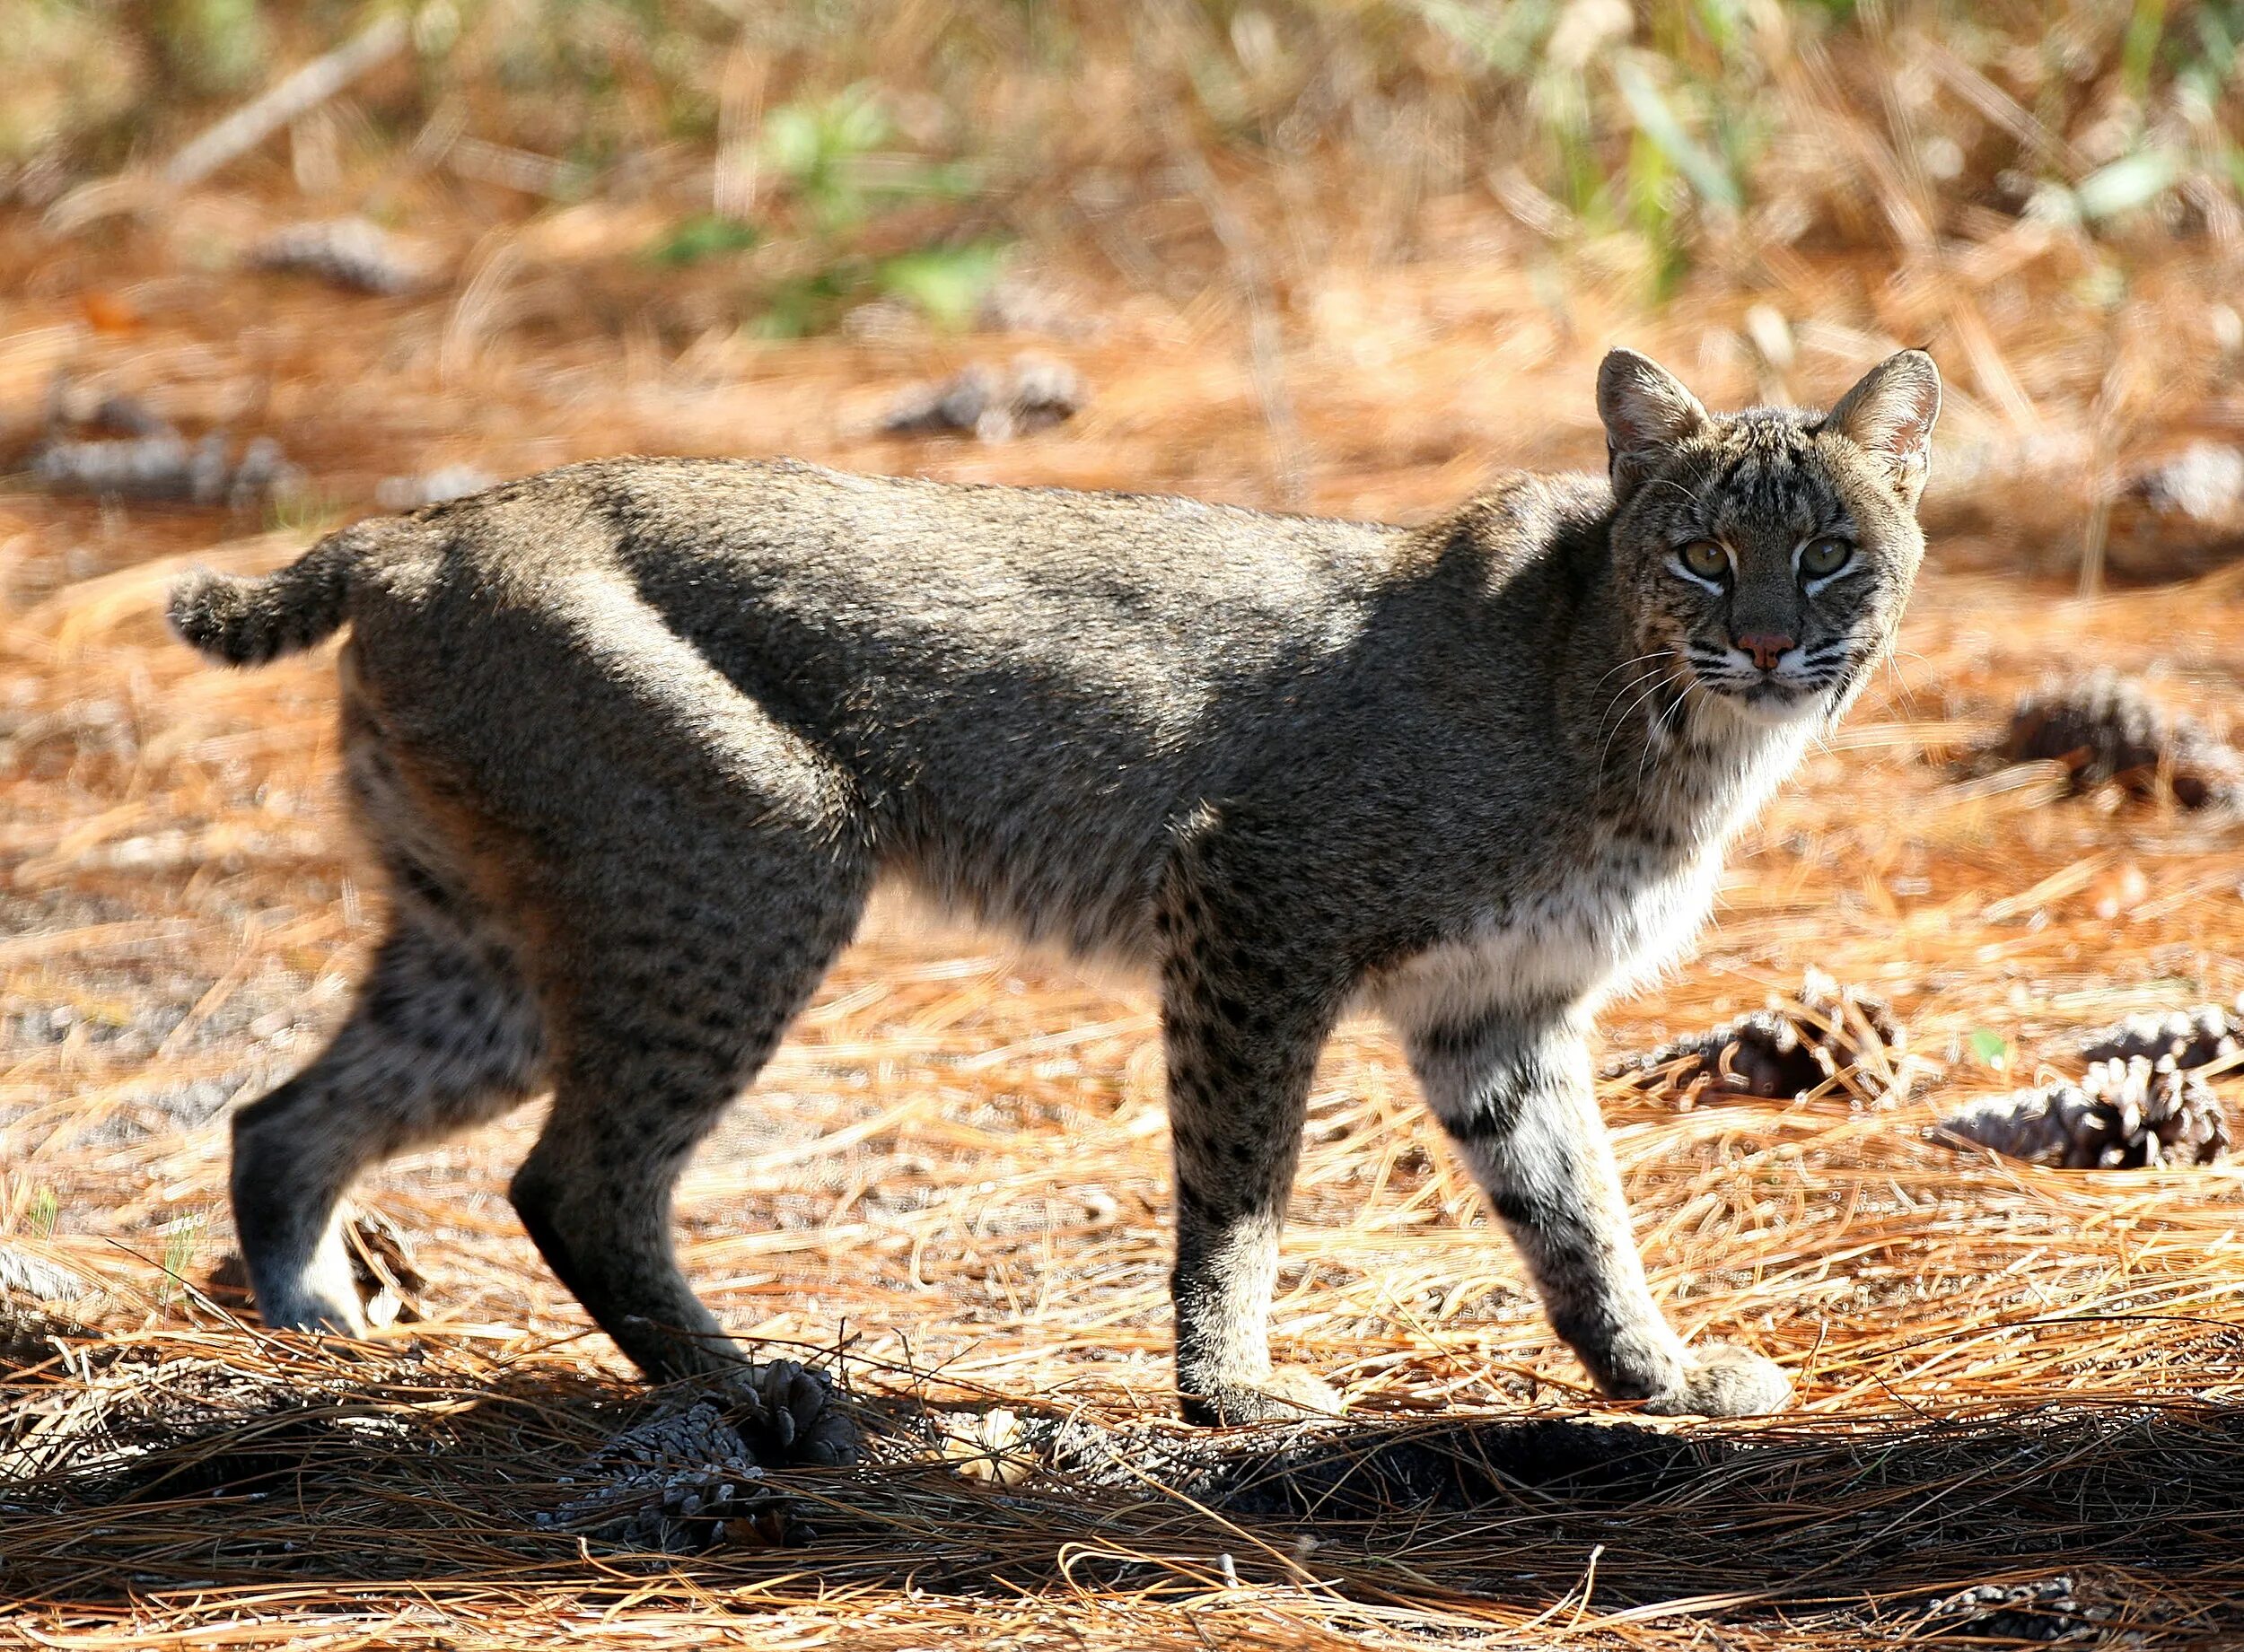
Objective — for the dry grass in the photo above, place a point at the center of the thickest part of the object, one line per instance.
(953, 1178)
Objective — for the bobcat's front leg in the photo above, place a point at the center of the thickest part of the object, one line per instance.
(1243, 1029)
(1515, 1094)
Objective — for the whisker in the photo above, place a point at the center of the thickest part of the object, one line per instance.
(1639, 659)
(1645, 693)
(1658, 723)
(1901, 683)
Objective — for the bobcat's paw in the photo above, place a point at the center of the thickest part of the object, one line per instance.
(312, 1312)
(789, 1413)
(1287, 1394)
(1722, 1381)
(315, 1294)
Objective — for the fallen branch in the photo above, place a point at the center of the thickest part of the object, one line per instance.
(240, 131)
(305, 90)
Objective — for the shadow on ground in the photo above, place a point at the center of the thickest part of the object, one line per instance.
(164, 1476)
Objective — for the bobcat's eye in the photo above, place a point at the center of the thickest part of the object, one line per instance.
(1822, 557)
(1704, 559)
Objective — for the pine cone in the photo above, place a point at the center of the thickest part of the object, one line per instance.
(348, 252)
(2123, 1115)
(1826, 1031)
(2103, 728)
(2192, 1037)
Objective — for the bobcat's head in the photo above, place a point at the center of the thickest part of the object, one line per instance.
(1765, 555)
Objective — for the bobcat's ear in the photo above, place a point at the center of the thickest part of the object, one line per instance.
(1890, 416)
(1646, 412)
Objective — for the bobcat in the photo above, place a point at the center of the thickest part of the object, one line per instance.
(635, 739)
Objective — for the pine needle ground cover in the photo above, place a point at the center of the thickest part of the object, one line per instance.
(2021, 1388)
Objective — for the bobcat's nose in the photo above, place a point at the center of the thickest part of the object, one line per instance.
(1766, 647)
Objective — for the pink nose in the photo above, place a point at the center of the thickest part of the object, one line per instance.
(1766, 647)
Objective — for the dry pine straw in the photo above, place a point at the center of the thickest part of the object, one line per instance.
(955, 1172)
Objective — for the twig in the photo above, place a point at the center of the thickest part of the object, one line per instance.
(247, 127)
(306, 89)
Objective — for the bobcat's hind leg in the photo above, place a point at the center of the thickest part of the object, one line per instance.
(442, 1037)
(1517, 1098)
(681, 988)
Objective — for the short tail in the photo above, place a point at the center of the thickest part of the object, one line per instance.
(246, 622)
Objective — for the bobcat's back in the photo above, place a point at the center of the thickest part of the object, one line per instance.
(1021, 690)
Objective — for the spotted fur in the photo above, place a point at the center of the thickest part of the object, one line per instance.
(635, 740)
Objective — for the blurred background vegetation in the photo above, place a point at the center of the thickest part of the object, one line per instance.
(838, 151)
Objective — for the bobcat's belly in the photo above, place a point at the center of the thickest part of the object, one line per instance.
(1557, 950)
